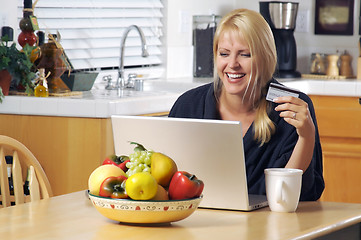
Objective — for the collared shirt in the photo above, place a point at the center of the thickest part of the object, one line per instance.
(201, 103)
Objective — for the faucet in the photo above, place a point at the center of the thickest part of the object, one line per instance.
(120, 84)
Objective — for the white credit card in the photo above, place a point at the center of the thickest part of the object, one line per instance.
(277, 90)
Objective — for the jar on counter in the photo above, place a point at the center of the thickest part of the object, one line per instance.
(52, 61)
(204, 27)
(27, 35)
(318, 64)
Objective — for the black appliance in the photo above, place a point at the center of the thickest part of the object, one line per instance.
(281, 16)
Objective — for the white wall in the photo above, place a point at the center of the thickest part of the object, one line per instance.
(178, 31)
(310, 43)
(179, 44)
(8, 14)
(179, 49)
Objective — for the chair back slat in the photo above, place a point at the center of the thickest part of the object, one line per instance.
(17, 179)
(23, 160)
(4, 183)
(33, 185)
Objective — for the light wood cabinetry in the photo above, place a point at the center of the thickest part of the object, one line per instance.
(339, 123)
(68, 148)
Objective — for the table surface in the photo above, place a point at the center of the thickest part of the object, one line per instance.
(72, 216)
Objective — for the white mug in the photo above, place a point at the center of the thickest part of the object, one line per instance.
(283, 188)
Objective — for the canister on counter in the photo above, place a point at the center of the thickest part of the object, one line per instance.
(204, 27)
(318, 63)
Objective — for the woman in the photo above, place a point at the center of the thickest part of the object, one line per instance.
(282, 133)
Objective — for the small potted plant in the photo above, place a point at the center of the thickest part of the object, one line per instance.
(16, 63)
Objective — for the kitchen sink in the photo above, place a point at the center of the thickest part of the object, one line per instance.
(154, 87)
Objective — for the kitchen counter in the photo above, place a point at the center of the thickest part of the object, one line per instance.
(71, 133)
(346, 88)
(157, 96)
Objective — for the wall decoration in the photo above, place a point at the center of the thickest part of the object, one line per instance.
(334, 17)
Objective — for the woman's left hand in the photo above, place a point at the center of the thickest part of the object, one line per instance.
(295, 111)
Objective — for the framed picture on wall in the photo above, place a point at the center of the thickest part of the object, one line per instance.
(334, 17)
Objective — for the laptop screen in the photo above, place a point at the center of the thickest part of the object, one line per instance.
(210, 149)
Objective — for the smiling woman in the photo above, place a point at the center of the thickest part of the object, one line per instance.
(282, 133)
(234, 63)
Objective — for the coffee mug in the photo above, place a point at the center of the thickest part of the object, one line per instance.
(283, 188)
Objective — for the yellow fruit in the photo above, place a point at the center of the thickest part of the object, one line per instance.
(162, 194)
(141, 186)
(162, 168)
(100, 174)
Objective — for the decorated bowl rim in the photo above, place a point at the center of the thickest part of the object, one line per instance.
(143, 201)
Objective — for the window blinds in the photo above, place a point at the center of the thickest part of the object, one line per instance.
(91, 30)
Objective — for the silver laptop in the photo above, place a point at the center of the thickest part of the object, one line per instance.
(210, 149)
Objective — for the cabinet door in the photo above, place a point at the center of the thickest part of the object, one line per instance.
(339, 123)
(68, 148)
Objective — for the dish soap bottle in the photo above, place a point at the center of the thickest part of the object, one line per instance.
(41, 89)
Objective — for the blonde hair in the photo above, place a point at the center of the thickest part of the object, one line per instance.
(256, 32)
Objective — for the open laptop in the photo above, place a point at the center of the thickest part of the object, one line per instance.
(210, 149)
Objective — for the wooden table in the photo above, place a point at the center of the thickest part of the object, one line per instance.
(72, 216)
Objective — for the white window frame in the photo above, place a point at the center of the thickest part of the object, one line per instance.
(91, 31)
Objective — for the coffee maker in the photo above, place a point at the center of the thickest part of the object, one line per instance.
(281, 16)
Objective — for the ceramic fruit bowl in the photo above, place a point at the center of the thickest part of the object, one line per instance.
(146, 212)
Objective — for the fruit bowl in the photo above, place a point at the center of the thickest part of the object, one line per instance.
(146, 212)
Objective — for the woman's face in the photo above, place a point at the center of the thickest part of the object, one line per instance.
(233, 62)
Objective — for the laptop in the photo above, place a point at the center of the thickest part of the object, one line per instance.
(210, 149)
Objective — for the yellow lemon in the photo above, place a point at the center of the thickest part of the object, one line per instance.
(141, 186)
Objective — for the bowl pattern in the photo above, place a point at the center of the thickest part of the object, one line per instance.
(131, 211)
(159, 206)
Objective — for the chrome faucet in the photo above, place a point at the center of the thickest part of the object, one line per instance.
(120, 84)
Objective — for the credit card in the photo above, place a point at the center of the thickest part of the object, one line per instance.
(277, 90)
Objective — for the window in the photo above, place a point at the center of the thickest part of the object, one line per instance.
(91, 30)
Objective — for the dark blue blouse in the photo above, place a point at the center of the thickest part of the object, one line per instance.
(201, 103)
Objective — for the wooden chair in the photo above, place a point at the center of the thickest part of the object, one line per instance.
(23, 159)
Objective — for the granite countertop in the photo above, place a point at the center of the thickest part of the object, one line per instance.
(157, 96)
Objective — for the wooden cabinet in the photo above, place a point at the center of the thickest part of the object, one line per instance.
(339, 123)
(68, 148)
